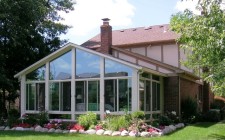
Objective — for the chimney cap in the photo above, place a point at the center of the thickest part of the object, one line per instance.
(105, 19)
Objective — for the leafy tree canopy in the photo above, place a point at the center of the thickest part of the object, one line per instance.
(29, 30)
(204, 37)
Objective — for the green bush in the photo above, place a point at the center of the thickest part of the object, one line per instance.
(42, 118)
(30, 119)
(138, 115)
(164, 120)
(13, 113)
(87, 120)
(13, 116)
(2, 121)
(212, 116)
(116, 122)
(189, 110)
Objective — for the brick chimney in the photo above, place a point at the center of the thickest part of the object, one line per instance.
(106, 37)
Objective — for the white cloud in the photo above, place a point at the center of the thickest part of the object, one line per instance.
(187, 4)
(87, 15)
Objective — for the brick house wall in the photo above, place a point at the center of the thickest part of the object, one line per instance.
(190, 89)
(171, 94)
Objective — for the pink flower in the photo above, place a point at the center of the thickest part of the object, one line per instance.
(97, 127)
(151, 130)
(121, 129)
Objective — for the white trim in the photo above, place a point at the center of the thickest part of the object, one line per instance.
(73, 101)
(154, 72)
(135, 91)
(65, 49)
(47, 87)
(22, 95)
(102, 88)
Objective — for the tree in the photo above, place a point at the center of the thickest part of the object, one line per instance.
(204, 37)
(29, 30)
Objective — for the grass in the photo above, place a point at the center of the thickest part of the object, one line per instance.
(199, 131)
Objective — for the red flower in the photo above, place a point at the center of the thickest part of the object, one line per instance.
(24, 125)
(77, 127)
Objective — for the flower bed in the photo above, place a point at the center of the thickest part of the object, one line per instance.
(151, 132)
(125, 125)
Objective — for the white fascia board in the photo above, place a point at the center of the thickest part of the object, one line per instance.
(154, 72)
(42, 62)
(65, 49)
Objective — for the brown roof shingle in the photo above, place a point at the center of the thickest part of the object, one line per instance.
(151, 34)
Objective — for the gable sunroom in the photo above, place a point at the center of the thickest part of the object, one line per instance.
(74, 80)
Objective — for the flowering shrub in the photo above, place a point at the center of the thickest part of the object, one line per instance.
(97, 127)
(122, 129)
(77, 127)
(58, 124)
(87, 120)
(24, 125)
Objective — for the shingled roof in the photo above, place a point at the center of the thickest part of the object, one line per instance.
(132, 36)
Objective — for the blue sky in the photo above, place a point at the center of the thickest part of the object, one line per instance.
(86, 18)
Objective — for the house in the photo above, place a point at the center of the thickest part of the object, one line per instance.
(130, 69)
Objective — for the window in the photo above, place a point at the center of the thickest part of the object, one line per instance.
(35, 96)
(111, 95)
(155, 96)
(87, 65)
(149, 92)
(60, 68)
(87, 95)
(60, 96)
(36, 75)
(118, 95)
(115, 69)
(124, 94)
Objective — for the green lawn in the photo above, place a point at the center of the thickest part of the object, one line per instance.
(200, 131)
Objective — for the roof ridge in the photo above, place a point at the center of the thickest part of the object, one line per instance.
(140, 27)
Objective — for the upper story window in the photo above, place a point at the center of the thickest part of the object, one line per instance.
(36, 75)
(87, 65)
(146, 75)
(61, 67)
(115, 69)
(155, 77)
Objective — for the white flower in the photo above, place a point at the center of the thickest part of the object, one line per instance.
(174, 113)
(107, 112)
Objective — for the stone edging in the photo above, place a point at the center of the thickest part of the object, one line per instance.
(166, 130)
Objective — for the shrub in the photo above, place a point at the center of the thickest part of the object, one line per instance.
(188, 110)
(138, 115)
(164, 120)
(42, 118)
(13, 113)
(2, 121)
(30, 119)
(13, 116)
(87, 120)
(212, 116)
(117, 122)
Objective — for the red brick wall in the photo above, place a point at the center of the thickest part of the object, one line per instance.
(208, 97)
(190, 89)
(171, 94)
(173, 86)
(106, 38)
